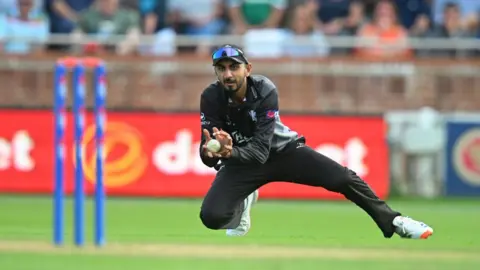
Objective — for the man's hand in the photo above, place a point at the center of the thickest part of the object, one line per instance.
(224, 139)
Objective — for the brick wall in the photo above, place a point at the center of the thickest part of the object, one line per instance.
(313, 86)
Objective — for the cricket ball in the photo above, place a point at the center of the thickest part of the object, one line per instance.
(214, 146)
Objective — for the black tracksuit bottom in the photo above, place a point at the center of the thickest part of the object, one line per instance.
(223, 205)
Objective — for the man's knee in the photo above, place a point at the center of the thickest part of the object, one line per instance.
(214, 219)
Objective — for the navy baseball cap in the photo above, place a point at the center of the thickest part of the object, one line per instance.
(229, 52)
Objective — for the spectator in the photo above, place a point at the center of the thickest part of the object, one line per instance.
(416, 16)
(385, 37)
(106, 19)
(255, 14)
(452, 27)
(466, 9)
(303, 25)
(472, 23)
(354, 21)
(10, 6)
(330, 10)
(155, 22)
(64, 14)
(291, 8)
(197, 17)
(331, 14)
(23, 30)
(369, 7)
(475, 24)
(421, 26)
(414, 13)
(154, 15)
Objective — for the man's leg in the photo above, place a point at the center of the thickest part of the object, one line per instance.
(303, 165)
(224, 204)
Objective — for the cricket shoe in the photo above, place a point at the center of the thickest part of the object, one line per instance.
(245, 222)
(410, 228)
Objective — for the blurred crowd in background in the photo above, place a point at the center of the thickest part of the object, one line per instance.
(273, 22)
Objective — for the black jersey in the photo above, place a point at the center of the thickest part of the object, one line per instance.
(254, 125)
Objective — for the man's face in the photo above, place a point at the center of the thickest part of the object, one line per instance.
(25, 6)
(232, 75)
(451, 15)
(302, 23)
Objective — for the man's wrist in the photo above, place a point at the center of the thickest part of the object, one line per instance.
(233, 153)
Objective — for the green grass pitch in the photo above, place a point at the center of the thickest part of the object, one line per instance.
(167, 234)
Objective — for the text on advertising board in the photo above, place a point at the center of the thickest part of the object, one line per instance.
(152, 154)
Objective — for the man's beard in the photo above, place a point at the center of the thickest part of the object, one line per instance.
(232, 86)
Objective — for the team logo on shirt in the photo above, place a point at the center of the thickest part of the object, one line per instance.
(272, 114)
(239, 138)
(228, 122)
(202, 118)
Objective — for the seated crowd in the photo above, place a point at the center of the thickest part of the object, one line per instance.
(268, 28)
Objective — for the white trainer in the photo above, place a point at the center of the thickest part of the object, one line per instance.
(410, 228)
(245, 223)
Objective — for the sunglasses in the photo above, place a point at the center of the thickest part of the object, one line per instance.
(226, 52)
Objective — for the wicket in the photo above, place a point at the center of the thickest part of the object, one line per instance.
(79, 66)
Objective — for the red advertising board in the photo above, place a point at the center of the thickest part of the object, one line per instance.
(156, 154)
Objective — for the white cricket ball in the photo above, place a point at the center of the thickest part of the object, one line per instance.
(214, 146)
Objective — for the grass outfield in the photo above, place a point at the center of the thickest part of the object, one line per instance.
(167, 234)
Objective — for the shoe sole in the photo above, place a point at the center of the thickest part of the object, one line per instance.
(426, 234)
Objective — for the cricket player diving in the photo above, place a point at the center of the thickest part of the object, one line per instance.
(241, 111)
